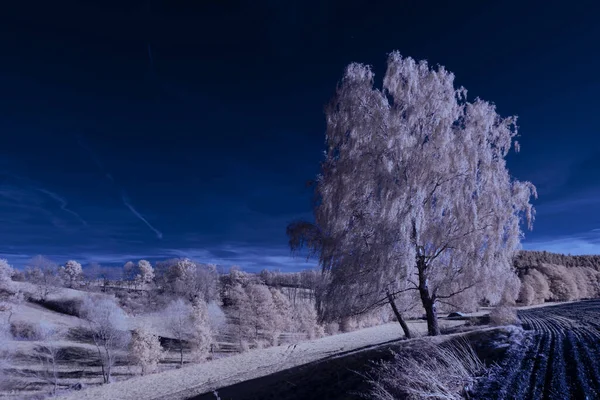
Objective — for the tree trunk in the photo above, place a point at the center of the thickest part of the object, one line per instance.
(428, 300)
(180, 352)
(398, 316)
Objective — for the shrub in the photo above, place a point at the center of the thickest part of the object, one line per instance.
(504, 315)
(70, 306)
(332, 328)
(22, 330)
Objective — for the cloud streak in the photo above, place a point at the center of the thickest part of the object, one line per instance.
(140, 216)
(583, 243)
(63, 204)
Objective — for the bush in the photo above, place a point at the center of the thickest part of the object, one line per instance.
(66, 306)
(504, 315)
(22, 330)
(332, 328)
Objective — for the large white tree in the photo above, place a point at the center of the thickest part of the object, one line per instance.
(414, 193)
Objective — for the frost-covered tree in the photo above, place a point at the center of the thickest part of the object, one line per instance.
(145, 273)
(72, 272)
(108, 324)
(47, 352)
(44, 274)
(414, 193)
(179, 315)
(129, 271)
(6, 272)
(202, 338)
(283, 309)
(188, 279)
(145, 349)
(190, 323)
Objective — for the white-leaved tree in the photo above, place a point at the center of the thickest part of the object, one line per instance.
(44, 274)
(188, 279)
(145, 349)
(189, 323)
(108, 324)
(145, 273)
(47, 353)
(72, 272)
(6, 272)
(414, 192)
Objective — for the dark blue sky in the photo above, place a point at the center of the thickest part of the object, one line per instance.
(169, 128)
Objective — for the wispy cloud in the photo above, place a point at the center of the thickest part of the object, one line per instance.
(579, 244)
(250, 258)
(63, 204)
(140, 216)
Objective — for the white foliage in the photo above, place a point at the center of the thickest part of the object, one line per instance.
(44, 274)
(145, 273)
(72, 271)
(6, 272)
(190, 323)
(108, 323)
(415, 164)
(145, 349)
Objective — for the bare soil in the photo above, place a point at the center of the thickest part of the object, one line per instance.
(561, 360)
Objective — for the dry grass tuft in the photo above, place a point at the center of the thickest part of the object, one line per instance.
(445, 372)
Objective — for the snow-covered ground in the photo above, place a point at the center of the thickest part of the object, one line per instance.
(188, 381)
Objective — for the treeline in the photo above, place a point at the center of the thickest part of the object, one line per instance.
(527, 259)
(549, 276)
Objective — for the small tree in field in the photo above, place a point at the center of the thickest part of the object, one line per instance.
(72, 271)
(414, 193)
(47, 352)
(108, 323)
(145, 349)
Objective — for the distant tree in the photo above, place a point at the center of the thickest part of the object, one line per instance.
(202, 339)
(145, 273)
(129, 271)
(216, 318)
(72, 272)
(6, 272)
(283, 309)
(189, 279)
(9, 294)
(44, 274)
(190, 323)
(108, 323)
(306, 321)
(255, 313)
(145, 349)
(415, 185)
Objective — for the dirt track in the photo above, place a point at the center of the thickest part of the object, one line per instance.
(560, 361)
